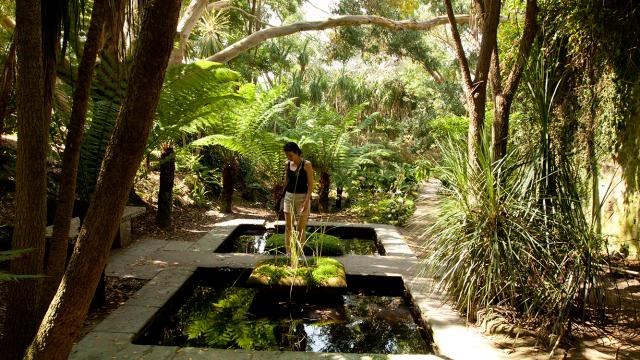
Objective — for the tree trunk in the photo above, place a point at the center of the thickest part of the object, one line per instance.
(114, 46)
(500, 127)
(596, 211)
(476, 91)
(66, 194)
(6, 83)
(503, 96)
(165, 194)
(249, 42)
(63, 320)
(323, 191)
(229, 173)
(31, 186)
(339, 191)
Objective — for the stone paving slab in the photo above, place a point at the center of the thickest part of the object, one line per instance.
(393, 242)
(377, 265)
(178, 246)
(145, 247)
(212, 240)
(127, 319)
(209, 259)
(135, 266)
(236, 222)
(161, 288)
(201, 353)
(100, 345)
(449, 329)
(190, 353)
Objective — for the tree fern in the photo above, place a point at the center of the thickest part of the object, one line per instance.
(192, 100)
(247, 130)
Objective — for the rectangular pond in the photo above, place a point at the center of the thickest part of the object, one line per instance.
(216, 309)
(257, 239)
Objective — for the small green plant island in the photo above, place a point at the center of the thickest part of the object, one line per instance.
(314, 272)
(317, 244)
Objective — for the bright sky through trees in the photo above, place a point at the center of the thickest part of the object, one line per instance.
(317, 9)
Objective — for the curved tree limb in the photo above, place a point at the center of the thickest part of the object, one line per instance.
(524, 49)
(188, 20)
(233, 50)
(462, 58)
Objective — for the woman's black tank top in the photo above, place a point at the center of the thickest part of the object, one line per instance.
(297, 179)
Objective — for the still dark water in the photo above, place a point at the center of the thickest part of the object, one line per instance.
(255, 244)
(358, 321)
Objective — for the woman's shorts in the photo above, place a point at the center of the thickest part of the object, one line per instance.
(293, 203)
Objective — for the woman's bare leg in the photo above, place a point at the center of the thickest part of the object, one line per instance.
(288, 221)
(302, 224)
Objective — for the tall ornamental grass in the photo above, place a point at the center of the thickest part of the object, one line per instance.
(512, 240)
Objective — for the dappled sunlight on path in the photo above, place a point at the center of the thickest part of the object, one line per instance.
(427, 205)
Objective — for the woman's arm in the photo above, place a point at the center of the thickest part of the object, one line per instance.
(309, 170)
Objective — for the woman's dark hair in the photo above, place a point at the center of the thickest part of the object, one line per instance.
(293, 147)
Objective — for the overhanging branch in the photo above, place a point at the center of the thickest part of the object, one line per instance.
(258, 37)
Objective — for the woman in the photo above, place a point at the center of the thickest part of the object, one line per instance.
(298, 182)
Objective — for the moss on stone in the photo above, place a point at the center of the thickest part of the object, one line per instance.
(316, 244)
(318, 272)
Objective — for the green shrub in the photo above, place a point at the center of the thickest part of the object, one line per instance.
(317, 244)
(502, 241)
(394, 209)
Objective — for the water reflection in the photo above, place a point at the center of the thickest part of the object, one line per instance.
(256, 244)
(245, 318)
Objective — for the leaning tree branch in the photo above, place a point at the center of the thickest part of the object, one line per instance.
(462, 58)
(194, 12)
(188, 20)
(526, 42)
(217, 5)
(233, 50)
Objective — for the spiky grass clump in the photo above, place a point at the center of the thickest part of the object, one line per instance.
(502, 243)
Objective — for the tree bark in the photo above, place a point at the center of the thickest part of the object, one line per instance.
(63, 320)
(249, 42)
(229, 173)
(54, 267)
(339, 192)
(8, 73)
(165, 194)
(188, 20)
(114, 46)
(476, 91)
(31, 187)
(323, 191)
(503, 96)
